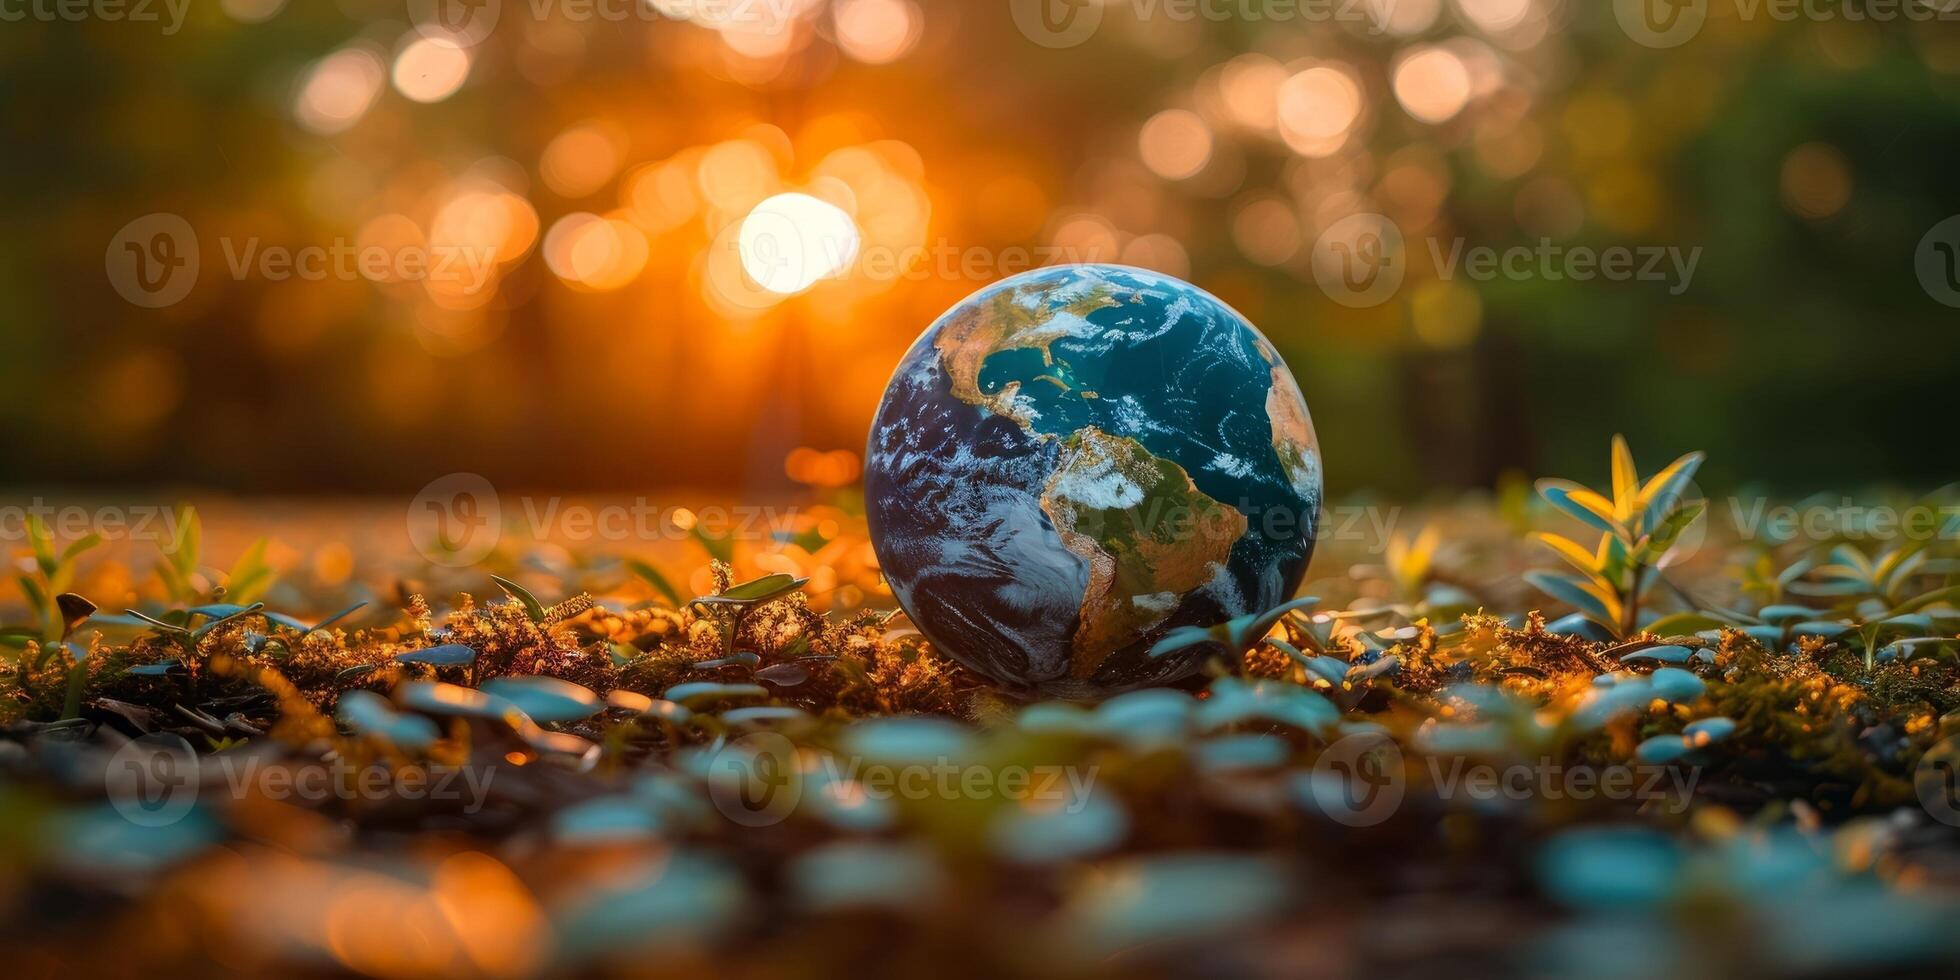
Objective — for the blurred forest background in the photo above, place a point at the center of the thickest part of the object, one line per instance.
(615, 344)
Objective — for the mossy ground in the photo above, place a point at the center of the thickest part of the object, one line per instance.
(601, 844)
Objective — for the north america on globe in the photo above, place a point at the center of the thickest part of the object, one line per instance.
(1076, 460)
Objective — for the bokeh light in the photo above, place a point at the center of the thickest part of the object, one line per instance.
(1175, 144)
(791, 241)
(1318, 109)
(431, 69)
(338, 90)
(1432, 84)
(877, 31)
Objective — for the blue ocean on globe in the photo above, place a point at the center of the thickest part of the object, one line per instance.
(1076, 460)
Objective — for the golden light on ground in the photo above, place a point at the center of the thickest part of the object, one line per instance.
(339, 90)
(581, 159)
(1318, 109)
(1432, 84)
(431, 69)
(791, 241)
(1816, 180)
(876, 31)
(1175, 144)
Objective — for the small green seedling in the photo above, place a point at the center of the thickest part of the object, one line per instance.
(738, 600)
(1639, 527)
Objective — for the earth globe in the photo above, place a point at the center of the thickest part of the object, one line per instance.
(1074, 461)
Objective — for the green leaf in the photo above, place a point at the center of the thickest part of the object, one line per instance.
(205, 629)
(719, 547)
(337, 617)
(35, 596)
(756, 591)
(1573, 552)
(1661, 493)
(186, 545)
(1949, 594)
(546, 699)
(1579, 595)
(71, 706)
(446, 655)
(1183, 638)
(43, 542)
(250, 575)
(1681, 623)
(659, 582)
(1898, 566)
(1246, 630)
(162, 626)
(1626, 481)
(532, 607)
(1590, 508)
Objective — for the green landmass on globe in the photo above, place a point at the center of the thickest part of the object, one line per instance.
(1071, 462)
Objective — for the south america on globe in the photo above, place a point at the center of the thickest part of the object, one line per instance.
(1074, 461)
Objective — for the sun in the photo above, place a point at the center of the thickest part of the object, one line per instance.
(791, 241)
